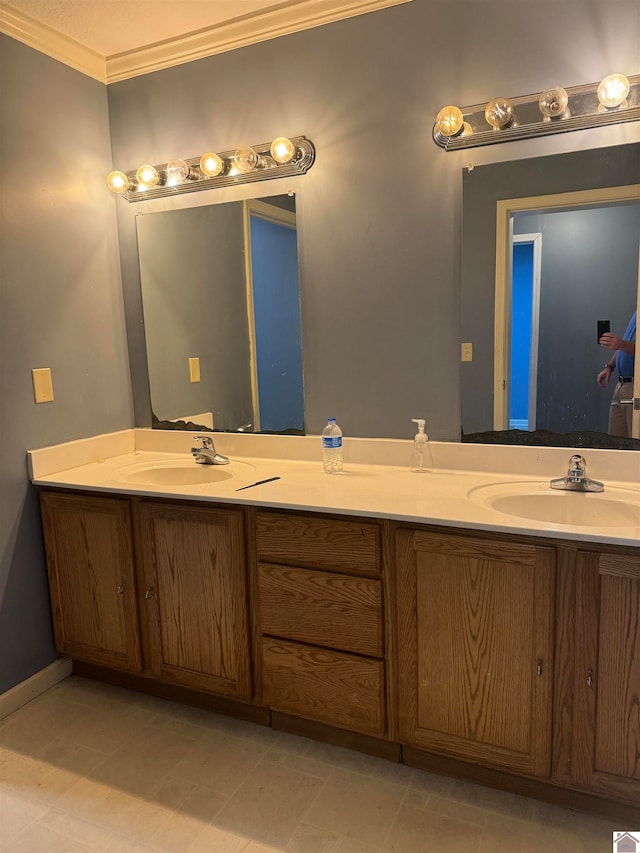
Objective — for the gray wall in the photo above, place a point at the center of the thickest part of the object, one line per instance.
(379, 212)
(589, 272)
(60, 307)
(194, 294)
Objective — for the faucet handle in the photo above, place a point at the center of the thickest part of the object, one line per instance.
(577, 467)
(207, 442)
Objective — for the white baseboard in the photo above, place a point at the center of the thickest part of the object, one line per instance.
(27, 690)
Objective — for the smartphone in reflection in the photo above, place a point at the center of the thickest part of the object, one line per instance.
(603, 326)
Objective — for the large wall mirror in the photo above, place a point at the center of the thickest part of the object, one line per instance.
(550, 246)
(221, 304)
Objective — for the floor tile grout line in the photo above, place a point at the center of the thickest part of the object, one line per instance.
(395, 818)
(86, 820)
(151, 719)
(28, 824)
(308, 809)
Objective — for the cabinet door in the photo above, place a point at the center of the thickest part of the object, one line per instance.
(475, 624)
(606, 748)
(91, 576)
(196, 595)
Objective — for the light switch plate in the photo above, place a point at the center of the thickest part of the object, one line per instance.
(42, 384)
(194, 369)
(466, 352)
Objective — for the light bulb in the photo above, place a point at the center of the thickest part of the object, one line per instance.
(211, 164)
(245, 159)
(449, 121)
(283, 150)
(467, 130)
(177, 171)
(118, 182)
(147, 175)
(553, 102)
(499, 113)
(613, 90)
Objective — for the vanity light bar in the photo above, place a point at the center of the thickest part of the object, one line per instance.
(238, 166)
(556, 110)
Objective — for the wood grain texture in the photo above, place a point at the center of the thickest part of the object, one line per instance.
(479, 547)
(388, 529)
(619, 565)
(587, 621)
(618, 713)
(196, 557)
(254, 609)
(324, 608)
(144, 580)
(328, 686)
(607, 716)
(315, 542)
(476, 629)
(91, 576)
(564, 669)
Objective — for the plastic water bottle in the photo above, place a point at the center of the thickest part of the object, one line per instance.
(332, 447)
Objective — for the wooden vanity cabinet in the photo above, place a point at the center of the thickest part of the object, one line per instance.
(190, 597)
(321, 620)
(195, 596)
(473, 626)
(88, 542)
(606, 722)
(475, 643)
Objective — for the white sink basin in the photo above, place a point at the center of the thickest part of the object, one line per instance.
(177, 472)
(538, 502)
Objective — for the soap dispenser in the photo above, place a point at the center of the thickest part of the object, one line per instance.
(421, 460)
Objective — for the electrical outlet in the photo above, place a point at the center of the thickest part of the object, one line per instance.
(194, 369)
(466, 352)
(42, 384)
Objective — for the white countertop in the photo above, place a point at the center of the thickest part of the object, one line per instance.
(450, 495)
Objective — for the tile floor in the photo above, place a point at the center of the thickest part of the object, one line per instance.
(89, 767)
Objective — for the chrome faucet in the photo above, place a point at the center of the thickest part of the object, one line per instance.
(576, 479)
(206, 454)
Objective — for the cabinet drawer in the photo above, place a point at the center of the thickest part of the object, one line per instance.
(323, 543)
(324, 608)
(327, 686)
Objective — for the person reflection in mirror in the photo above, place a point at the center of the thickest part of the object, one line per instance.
(620, 414)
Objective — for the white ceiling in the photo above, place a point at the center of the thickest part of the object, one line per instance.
(112, 40)
(109, 27)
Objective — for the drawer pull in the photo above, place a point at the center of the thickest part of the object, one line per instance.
(150, 593)
(539, 667)
(121, 589)
(590, 678)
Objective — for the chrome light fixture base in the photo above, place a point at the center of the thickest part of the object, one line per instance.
(583, 111)
(268, 169)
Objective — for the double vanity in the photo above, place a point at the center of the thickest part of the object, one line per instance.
(471, 620)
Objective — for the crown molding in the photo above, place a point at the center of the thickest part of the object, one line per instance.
(286, 18)
(45, 39)
(261, 26)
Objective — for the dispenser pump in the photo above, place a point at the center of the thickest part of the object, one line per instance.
(420, 435)
(421, 461)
